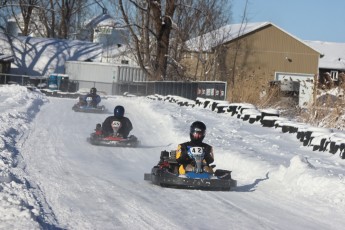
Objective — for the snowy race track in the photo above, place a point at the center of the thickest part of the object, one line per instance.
(79, 186)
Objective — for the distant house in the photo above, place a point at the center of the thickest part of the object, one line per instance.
(250, 56)
(5, 62)
(42, 56)
(5, 66)
(104, 29)
(113, 36)
(332, 61)
(16, 24)
(6, 58)
(119, 55)
(6, 55)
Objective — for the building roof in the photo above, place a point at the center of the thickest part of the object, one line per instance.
(6, 57)
(42, 56)
(227, 33)
(103, 20)
(332, 54)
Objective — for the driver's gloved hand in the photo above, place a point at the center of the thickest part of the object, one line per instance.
(118, 135)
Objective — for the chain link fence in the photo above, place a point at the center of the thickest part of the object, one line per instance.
(206, 89)
(190, 90)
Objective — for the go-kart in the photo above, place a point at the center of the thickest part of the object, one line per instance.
(166, 174)
(98, 138)
(88, 107)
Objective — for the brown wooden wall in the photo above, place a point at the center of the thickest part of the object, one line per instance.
(250, 62)
(253, 60)
(270, 50)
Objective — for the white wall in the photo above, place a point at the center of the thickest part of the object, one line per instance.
(304, 83)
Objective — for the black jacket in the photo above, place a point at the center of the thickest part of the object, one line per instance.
(182, 152)
(96, 99)
(124, 129)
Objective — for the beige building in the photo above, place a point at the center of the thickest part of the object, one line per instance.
(251, 57)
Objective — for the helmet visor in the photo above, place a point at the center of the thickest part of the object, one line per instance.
(197, 135)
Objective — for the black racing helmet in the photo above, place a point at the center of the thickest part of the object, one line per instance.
(119, 111)
(93, 91)
(197, 131)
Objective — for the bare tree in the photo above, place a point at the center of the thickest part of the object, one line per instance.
(64, 16)
(67, 9)
(3, 15)
(237, 46)
(22, 11)
(150, 32)
(46, 15)
(204, 17)
(159, 30)
(48, 18)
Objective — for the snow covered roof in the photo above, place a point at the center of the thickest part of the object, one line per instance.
(6, 57)
(227, 33)
(42, 56)
(102, 20)
(222, 35)
(332, 54)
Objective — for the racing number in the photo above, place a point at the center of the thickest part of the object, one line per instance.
(196, 150)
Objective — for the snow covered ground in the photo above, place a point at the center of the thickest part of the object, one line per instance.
(51, 178)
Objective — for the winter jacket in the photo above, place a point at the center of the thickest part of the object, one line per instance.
(124, 126)
(183, 158)
(96, 99)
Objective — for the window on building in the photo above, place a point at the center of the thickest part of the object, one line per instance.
(334, 75)
(125, 62)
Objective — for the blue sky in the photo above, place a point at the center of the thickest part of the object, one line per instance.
(316, 20)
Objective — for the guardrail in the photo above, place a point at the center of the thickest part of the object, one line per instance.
(22, 80)
(318, 138)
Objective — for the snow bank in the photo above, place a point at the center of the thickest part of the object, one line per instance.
(19, 208)
(302, 177)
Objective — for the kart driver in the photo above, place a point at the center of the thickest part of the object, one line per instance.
(94, 98)
(197, 134)
(117, 125)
